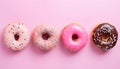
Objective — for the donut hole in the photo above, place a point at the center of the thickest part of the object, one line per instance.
(105, 37)
(16, 36)
(45, 36)
(75, 37)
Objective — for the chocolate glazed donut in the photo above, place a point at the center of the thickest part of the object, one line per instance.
(105, 36)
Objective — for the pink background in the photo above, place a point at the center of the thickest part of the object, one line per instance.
(59, 13)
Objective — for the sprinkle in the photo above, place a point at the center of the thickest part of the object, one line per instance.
(12, 43)
(13, 25)
(18, 27)
(19, 23)
(11, 28)
(13, 32)
(16, 47)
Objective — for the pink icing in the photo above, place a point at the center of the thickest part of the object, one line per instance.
(67, 34)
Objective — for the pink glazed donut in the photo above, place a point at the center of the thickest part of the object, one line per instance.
(74, 37)
(16, 36)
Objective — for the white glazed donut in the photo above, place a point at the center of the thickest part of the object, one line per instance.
(16, 36)
(45, 37)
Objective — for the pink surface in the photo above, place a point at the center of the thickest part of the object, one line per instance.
(60, 13)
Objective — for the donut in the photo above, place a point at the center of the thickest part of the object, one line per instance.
(45, 37)
(74, 37)
(16, 36)
(105, 36)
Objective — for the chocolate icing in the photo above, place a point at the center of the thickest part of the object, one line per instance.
(105, 36)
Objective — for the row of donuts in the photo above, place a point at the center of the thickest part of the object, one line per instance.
(73, 36)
